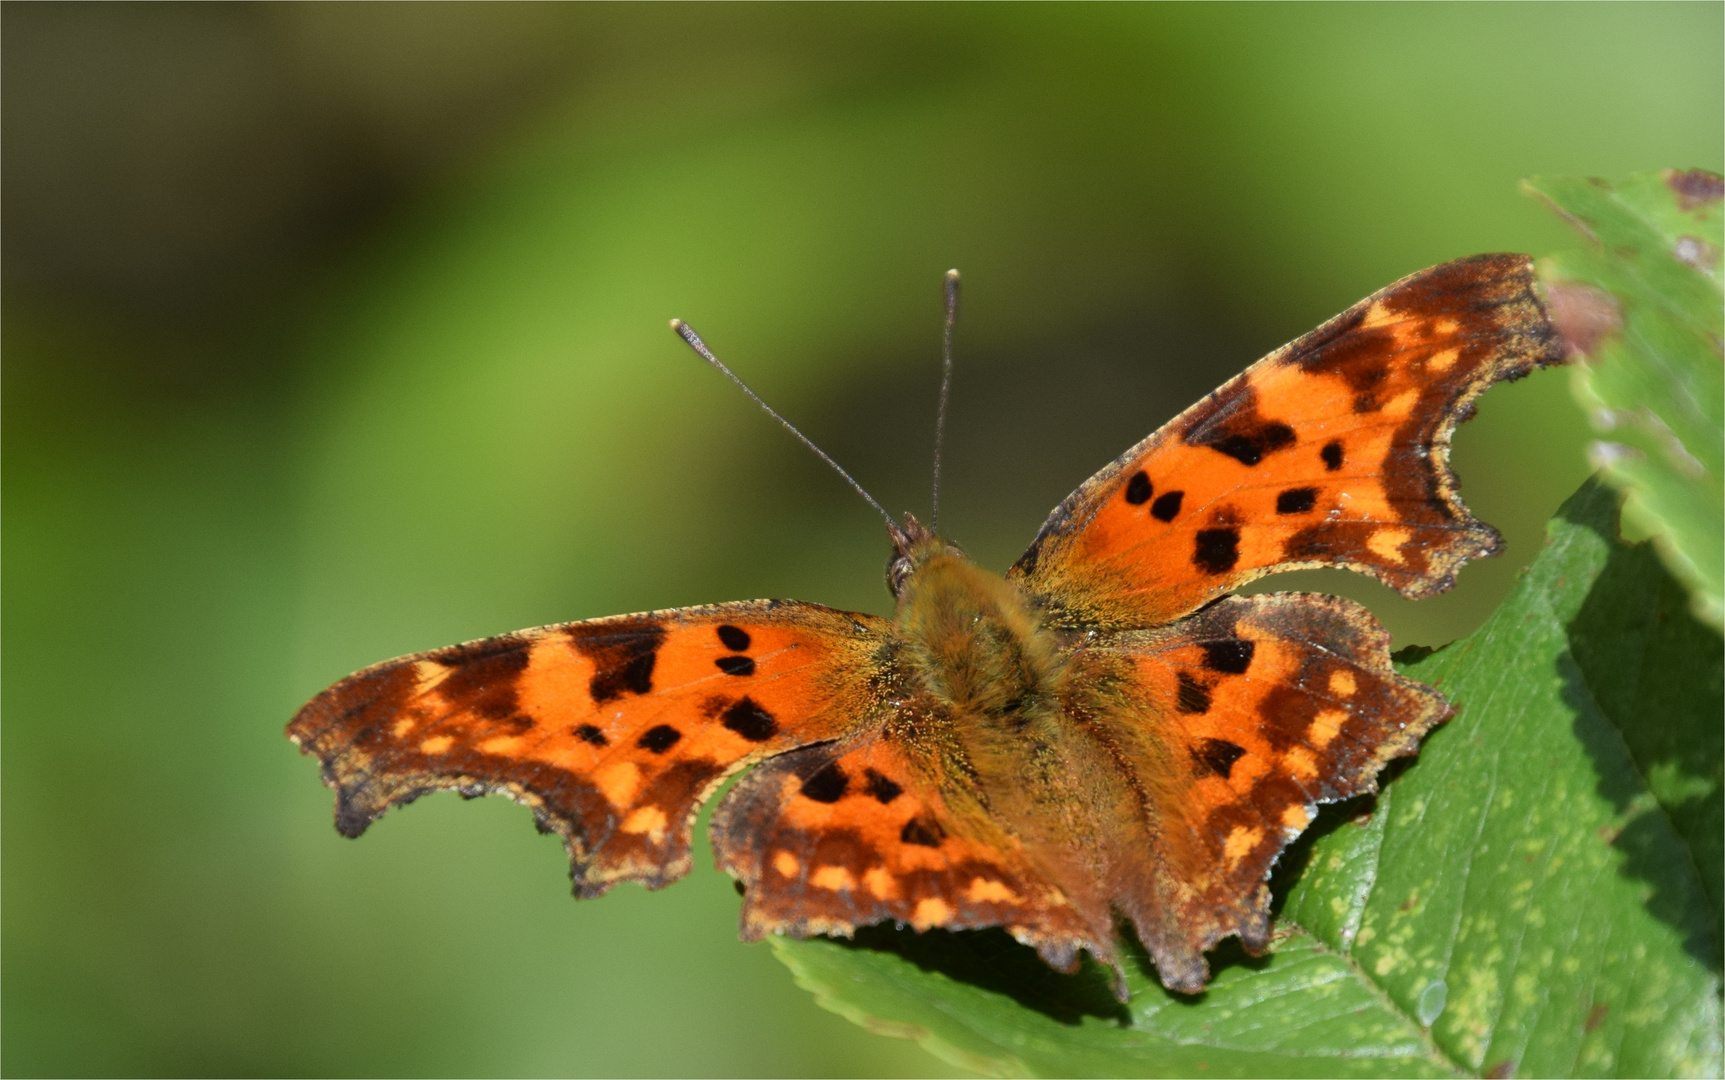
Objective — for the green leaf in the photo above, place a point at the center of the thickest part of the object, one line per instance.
(1643, 304)
(1537, 895)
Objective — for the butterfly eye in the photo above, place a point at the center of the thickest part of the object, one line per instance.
(898, 568)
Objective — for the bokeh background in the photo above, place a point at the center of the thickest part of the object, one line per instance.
(337, 332)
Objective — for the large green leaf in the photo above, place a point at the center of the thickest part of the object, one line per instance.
(1537, 895)
(1643, 304)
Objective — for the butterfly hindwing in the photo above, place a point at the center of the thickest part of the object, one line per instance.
(1331, 451)
(614, 730)
(1265, 706)
(826, 839)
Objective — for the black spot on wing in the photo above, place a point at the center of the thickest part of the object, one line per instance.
(1249, 448)
(1296, 500)
(749, 720)
(922, 831)
(1231, 656)
(623, 655)
(483, 674)
(659, 739)
(1217, 756)
(1138, 488)
(735, 665)
(1193, 696)
(1217, 550)
(882, 789)
(1365, 382)
(1332, 455)
(734, 638)
(1167, 506)
(1228, 422)
(827, 784)
(589, 734)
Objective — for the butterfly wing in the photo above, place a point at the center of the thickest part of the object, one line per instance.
(1331, 451)
(614, 731)
(1264, 707)
(830, 838)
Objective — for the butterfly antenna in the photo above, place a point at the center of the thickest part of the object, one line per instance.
(951, 291)
(693, 340)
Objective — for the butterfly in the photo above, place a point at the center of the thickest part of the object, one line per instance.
(1102, 734)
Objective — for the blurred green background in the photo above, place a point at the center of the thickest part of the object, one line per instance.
(337, 332)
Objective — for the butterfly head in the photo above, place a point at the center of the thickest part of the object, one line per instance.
(912, 546)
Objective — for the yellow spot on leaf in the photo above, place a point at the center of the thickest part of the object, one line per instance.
(619, 782)
(1387, 543)
(645, 819)
(437, 744)
(832, 877)
(1324, 727)
(930, 912)
(881, 883)
(786, 864)
(985, 889)
(1240, 842)
(1342, 683)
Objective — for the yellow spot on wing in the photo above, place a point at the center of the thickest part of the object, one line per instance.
(1295, 818)
(985, 889)
(1342, 683)
(1240, 843)
(881, 883)
(1324, 727)
(930, 912)
(619, 782)
(833, 877)
(645, 819)
(1442, 361)
(437, 744)
(1387, 543)
(427, 674)
(786, 864)
(1376, 315)
(501, 744)
(1301, 763)
(402, 727)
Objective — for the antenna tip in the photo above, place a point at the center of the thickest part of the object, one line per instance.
(677, 325)
(952, 275)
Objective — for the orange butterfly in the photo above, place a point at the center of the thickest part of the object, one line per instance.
(1101, 731)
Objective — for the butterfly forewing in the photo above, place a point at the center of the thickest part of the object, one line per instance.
(614, 730)
(1332, 451)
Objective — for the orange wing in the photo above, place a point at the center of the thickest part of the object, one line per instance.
(1267, 705)
(614, 731)
(827, 839)
(1331, 451)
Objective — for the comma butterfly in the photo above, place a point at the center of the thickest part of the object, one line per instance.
(1102, 732)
